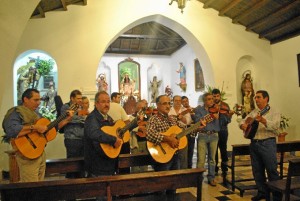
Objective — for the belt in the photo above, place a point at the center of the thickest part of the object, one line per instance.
(208, 132)
(262, 140)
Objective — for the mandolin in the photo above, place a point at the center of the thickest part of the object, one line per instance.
(252, 127)
(163, 152)
(32, 145)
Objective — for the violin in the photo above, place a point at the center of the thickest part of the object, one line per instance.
(220, 108)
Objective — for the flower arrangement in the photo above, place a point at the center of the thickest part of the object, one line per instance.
(284, 122)
(45, 112)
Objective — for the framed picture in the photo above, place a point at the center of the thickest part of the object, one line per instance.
(298, 59)
(129, 78)
(199, 78)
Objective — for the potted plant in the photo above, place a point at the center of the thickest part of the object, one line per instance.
(284, 124)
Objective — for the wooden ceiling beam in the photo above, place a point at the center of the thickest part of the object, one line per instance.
(134, 36)
(285, 37)
(250, 10)
(228, 7)
(41, 11)
(64, 4)
(274, 15)
(279, 27)
(206, 4)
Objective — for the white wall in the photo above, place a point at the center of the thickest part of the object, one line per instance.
(78, 38)
(287, 90)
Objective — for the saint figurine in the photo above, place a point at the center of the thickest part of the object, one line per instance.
(154, 85)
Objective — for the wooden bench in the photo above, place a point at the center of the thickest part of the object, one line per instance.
(286, 186)
(104, 186)
(66, 165)
(243, 150)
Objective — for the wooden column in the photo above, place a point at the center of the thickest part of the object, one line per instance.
(14, 175)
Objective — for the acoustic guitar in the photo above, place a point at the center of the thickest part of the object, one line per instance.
(32, 145)
(252, 127)
(163, 152)
(119, 130)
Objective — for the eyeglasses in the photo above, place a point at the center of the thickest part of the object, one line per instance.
(165, 103)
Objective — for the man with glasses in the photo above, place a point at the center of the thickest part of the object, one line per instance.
(185, 119)
(158, 124)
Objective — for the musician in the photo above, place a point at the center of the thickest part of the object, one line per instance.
(19, 121)
(191, 137)
(225, 115)
(74, 130)
(138, 135)
(96, 161)
(185, 119)
(117, 112)
(158, 124)
(207, 137)
(263, 145)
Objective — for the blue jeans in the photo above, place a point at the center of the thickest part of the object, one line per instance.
(263, 158)
(207, 144)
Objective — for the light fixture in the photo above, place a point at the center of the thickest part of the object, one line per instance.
(181, 4)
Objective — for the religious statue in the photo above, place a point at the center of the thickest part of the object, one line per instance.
(27, 79)
(101, 82)
(168, 91)
(247, 93)
(182, 75)
(48, 98)
(127, 85)
(154, 85)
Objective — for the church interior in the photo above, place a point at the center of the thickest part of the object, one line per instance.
(216, 43)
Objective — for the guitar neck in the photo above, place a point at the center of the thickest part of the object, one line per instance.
(56, 122)
(208, 118)
(128, 126)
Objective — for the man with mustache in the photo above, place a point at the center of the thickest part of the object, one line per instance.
(263, 146)
(96, 161)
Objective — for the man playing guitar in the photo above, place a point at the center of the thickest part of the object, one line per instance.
(19, 123)
(263, 145)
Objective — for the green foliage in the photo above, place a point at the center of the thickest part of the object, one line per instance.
(210, 88)
(284, 122)
(44, 67)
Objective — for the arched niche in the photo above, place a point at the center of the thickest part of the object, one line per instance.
(103, 78)
(154, 82)
(245, 68)
(34, 69)
(129, 78)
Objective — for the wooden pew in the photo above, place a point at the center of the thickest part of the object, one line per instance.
(65, 165)
(242, 150)
(286, 186)
(104, 186)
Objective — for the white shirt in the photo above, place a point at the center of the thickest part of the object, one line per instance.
(117, 112)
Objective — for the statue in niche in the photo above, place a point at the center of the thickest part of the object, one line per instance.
(49, 97)
(127, 85)
(27, 79)
(182, 75)
(101, 82)
(247, 93)
(154, 86)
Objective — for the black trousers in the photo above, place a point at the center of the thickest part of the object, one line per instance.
(222, 145)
